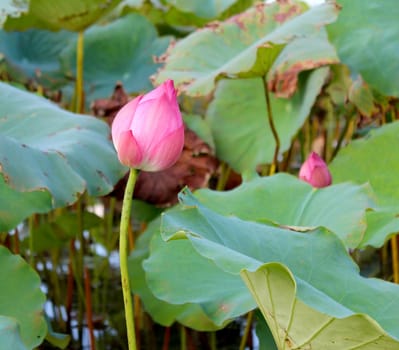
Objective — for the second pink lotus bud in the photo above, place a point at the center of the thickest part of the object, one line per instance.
(315, 171)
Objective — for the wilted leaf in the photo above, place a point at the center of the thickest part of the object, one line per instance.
(194, 168)
(245, 45)
(12, 8)
(299, 55)
(108, 107)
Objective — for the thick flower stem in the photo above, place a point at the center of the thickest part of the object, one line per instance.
(123, 253)
(273, 166)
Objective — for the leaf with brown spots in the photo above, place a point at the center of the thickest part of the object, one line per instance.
(243, 46)
(299, 55)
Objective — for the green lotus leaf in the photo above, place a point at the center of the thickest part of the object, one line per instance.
(73, 15)
(372, 160)
(21, 304)
(189, 314)
(49, 156)
(239, 123)
(34, 54)
(330, 294)
(123, 51)
(297, 326)
(289, 202)
(367, 46)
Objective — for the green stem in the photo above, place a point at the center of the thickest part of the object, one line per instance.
(248, 327)
(213, 341)
(224, 176)
(79, 73)
(123, 252)
(31, 238)
(183, 338)
(274, 164)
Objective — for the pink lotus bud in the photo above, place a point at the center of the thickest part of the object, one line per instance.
(315, 171)
(148, 132)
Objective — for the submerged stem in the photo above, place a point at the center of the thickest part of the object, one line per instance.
(273, 166)
(123, 252)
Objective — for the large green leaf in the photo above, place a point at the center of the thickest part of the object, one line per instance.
(34, 54)
(239, 122)
(123, 51)
(188, 314)
(245, 45)
(73, 15)
(288, 201)
(328, 283)
(177, 274)
(22, 300)
(374, 160)
(365, 36)
(295, 325)
(46, 150)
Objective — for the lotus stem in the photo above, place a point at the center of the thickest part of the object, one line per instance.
(79, 73)
(123, 254)
(273, 166)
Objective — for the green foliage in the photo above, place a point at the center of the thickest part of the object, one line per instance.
(307, 272)
(73, 15)
(22, 325)
(238, 119)
(293, 322)
(61, 156)
(362, 161)
(288, 202)
(34, 54)
(190, 314)
(272, 243)
(120, 51)
(367, 46)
